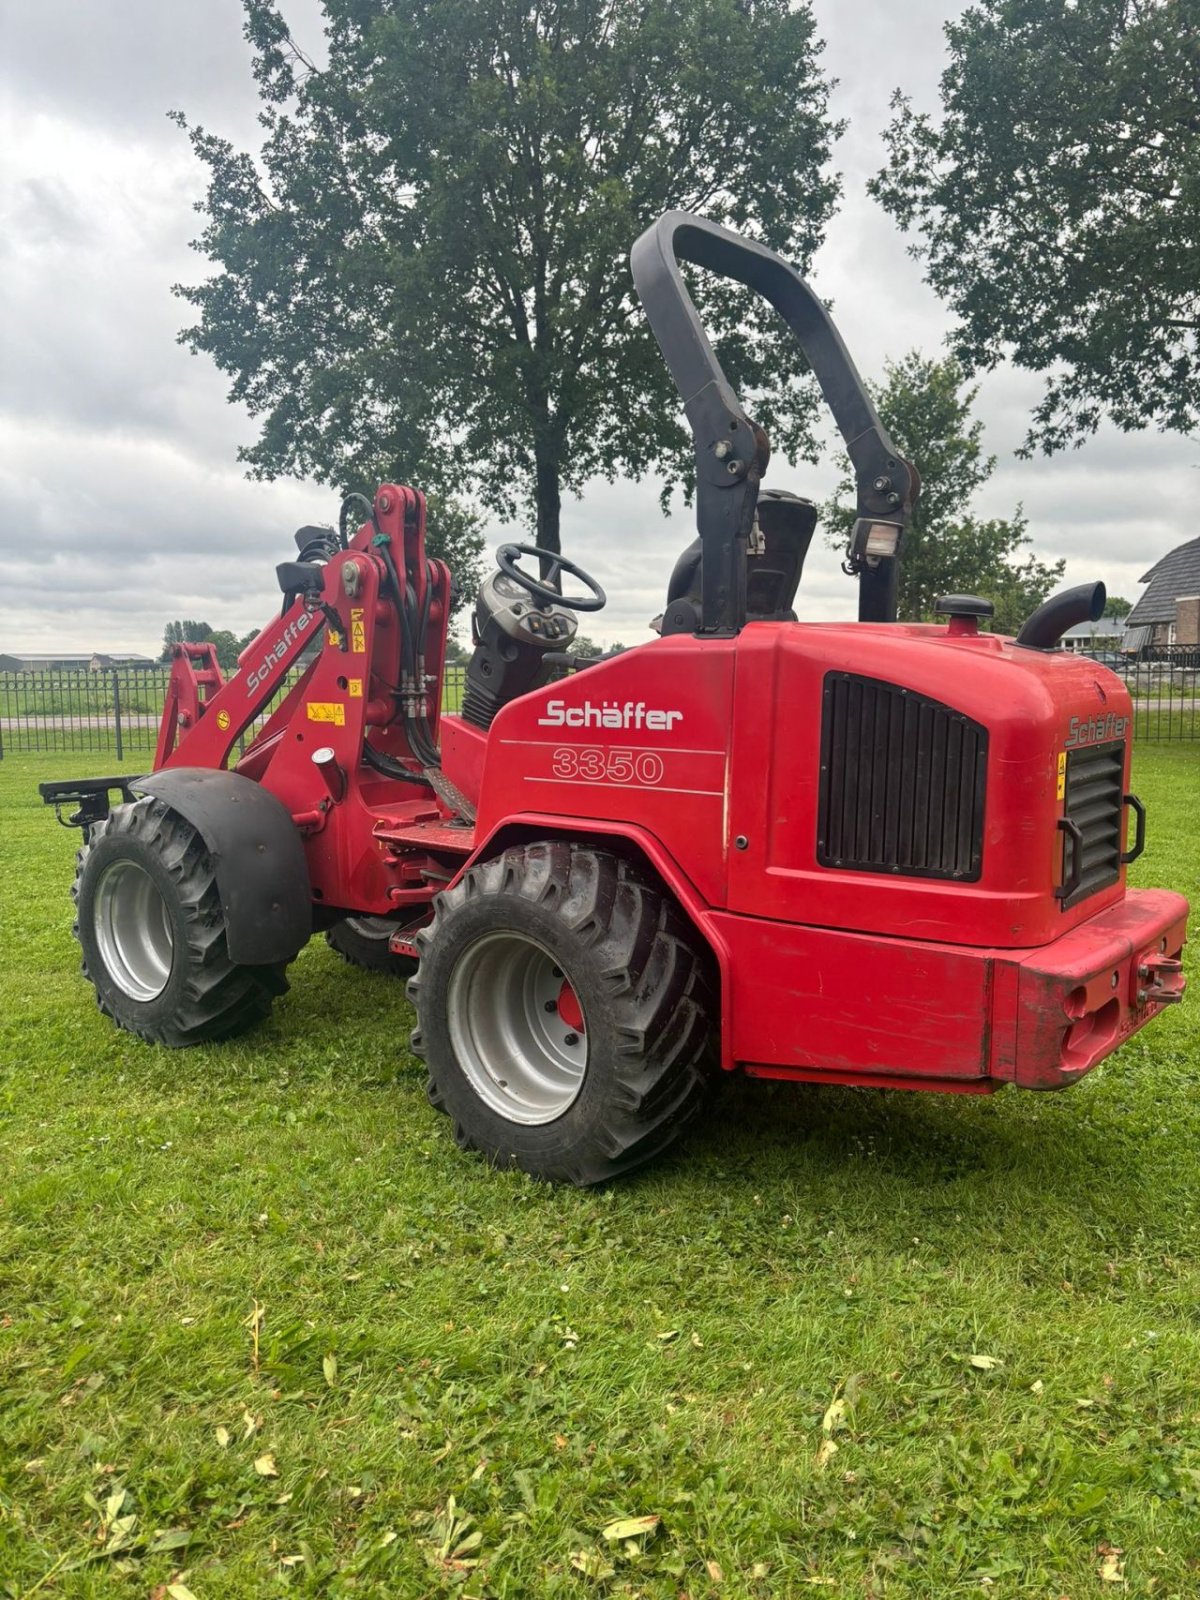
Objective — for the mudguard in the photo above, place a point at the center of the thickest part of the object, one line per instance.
(261, 871)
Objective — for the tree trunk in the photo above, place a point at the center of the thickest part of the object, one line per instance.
(549, 501)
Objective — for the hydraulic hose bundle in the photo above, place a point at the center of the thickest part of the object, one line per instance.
(409, 696)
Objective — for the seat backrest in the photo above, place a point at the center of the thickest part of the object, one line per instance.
(787, 523)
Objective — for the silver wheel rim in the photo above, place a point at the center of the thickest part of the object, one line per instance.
(133, 930)
(522, 1059)
(378, 928)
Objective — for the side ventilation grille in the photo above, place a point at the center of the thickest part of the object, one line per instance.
(1094, 804)
(903, 780)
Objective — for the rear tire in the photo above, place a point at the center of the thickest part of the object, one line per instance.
(586, 1087)
(152, 931)
(363, 942)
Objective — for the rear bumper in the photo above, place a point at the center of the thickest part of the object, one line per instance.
(827, 1006)
(1071, 1003)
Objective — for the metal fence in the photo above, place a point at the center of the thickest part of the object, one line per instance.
(113, 712)
(116, 711)
(1164, 685)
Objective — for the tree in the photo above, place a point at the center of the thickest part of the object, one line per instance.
(226, 646)
(188, 632)
(947, 550)
(1116, 607)
(581, 645)
(1058, 199)
(454, 533)
(424, 274)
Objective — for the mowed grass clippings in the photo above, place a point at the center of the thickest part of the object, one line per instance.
(264, 1328)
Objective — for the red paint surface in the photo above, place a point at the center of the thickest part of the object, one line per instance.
(701, 758)
(569, 1008)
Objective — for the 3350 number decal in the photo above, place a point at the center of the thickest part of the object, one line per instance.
(594, 764)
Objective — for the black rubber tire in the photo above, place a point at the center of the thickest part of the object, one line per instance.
(206, 996)
(368, 950)
(641, 976)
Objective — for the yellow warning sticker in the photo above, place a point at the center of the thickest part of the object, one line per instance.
(358, 631)
(1062, 774)
(222, 720)
(327, 711)
(355, 687)
(332, 639)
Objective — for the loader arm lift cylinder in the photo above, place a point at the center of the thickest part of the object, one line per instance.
(732, 450)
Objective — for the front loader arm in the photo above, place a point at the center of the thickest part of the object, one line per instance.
(205, 715)
(381, 609)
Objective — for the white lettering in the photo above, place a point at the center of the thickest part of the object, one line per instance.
(1095, 730)
(608, 714)
(290, 634)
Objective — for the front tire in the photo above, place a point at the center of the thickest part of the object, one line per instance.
(152, 931)
(564, 1012)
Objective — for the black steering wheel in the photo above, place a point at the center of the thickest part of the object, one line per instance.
(507, 557)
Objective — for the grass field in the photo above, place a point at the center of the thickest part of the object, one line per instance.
(265, 1330)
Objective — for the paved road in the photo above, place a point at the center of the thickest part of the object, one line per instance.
(54, 723)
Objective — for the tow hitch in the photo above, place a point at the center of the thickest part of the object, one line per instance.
(1159, 981)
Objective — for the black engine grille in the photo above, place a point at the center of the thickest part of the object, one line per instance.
(1094, 803)
(903, 780)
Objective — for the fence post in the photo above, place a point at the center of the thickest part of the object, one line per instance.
(117, 712)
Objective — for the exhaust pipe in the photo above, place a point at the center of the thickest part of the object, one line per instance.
(1053, 617)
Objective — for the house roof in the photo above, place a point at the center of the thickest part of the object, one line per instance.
(1178, 573)
(1106, 628)
(32, 660)
(51, 655)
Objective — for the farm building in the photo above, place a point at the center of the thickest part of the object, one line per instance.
(70, 660)
(1169, 611)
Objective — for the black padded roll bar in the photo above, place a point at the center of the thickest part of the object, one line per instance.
(731, 450)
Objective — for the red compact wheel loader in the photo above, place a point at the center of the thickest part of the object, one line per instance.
(858, 853)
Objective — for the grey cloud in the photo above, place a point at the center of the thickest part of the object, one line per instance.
(121, 501)
(44, 215)
(124, 66)
(188, 541)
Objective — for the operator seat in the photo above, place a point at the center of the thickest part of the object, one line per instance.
(787, 523)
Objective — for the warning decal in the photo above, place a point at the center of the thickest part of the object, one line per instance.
(327, 711)
(358, 631)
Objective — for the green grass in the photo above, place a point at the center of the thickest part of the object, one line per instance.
(453, 1359)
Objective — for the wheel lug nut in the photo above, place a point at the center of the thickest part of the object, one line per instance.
(571, 1038)
(551, 1005)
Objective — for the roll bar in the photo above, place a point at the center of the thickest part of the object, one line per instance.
(731, 450)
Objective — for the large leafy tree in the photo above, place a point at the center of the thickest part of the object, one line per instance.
(926, 407)
(1058, 202)
(187, 631)
(424, 271)
(227, 644)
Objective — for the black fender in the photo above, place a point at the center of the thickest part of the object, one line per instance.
(257, 855)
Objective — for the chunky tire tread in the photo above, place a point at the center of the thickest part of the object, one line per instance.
(650, 1008)
(372, 955)
(209, 998)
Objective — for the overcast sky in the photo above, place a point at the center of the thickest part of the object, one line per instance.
(121, 500)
